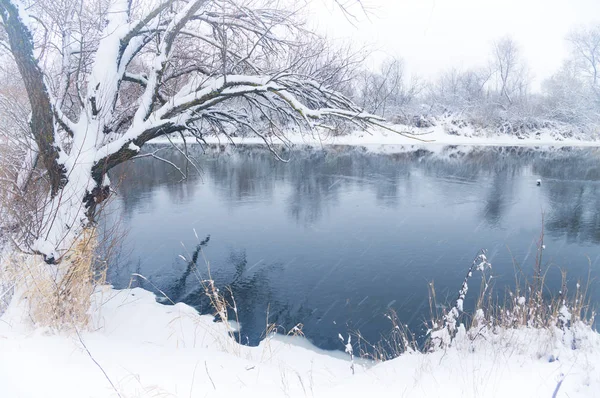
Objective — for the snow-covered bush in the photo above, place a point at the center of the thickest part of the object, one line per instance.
(444, 330)
(496, 99)
(524, 307)
(52, 301)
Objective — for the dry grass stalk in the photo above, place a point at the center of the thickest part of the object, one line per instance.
(396, 342)
(529, 304)
(59, 297)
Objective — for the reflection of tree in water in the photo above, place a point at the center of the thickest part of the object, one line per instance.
(388, 175)
(133, 180)
(253, 293)
(567, 210)
(315, 177)
(314, 185)
(571, 184)
(491, 169)
(246, 174)
(495, 201)
(569, 164)
(574, 213)
(315, 181)
(500, 191)
(177, 291)
(472, 164)
(318, 178)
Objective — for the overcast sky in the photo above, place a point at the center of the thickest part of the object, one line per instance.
(432, 35)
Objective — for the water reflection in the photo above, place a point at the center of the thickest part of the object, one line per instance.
(334, 238)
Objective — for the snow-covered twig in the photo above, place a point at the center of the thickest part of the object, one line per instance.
(348, 349)
(442, 335)
(155, 156)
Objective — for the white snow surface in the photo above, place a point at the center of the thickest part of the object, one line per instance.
(382, 140)
(134, 147)
(150, 350)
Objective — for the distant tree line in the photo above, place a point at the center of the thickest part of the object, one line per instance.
(496, 96)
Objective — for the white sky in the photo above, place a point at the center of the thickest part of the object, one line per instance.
(433, 35)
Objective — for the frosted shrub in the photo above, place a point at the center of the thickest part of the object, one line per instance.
(525, 307)
(443, 331)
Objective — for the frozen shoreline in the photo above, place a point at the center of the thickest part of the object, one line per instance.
(380, 140)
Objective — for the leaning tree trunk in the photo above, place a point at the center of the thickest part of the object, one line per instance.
(112, 128)
(42, 118)
(55, 221)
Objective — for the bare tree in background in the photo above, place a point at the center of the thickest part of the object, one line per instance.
(104, 78)
(510, 70)
(460, 91)
(572, 94)
(473, 83)
(447, 87)
(585, 47)
(567, 97)
(386, 89)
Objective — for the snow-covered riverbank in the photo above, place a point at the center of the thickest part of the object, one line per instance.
(381, 140)
(149, 350)
(135, 347)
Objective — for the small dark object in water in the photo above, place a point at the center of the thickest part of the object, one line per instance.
(538, 182)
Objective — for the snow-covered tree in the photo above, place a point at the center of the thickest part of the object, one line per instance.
(510, 70)
(572, 94)
(585, 48)
(490, 96)
(387, 89)
(567, 97)
(459, 90)
(105, 77)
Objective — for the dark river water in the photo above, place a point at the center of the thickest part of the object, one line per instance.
(334, 239)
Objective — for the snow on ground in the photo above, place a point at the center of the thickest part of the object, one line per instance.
(381, 140)
(136, 347)
(150, 350)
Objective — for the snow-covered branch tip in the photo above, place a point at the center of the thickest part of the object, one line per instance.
(348, 350)
(443, 334)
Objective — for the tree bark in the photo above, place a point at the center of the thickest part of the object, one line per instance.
(42, 118)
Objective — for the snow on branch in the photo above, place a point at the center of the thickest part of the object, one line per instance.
(105, 89)
(17, 25)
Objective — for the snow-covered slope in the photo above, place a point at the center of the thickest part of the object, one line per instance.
(145, 349)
